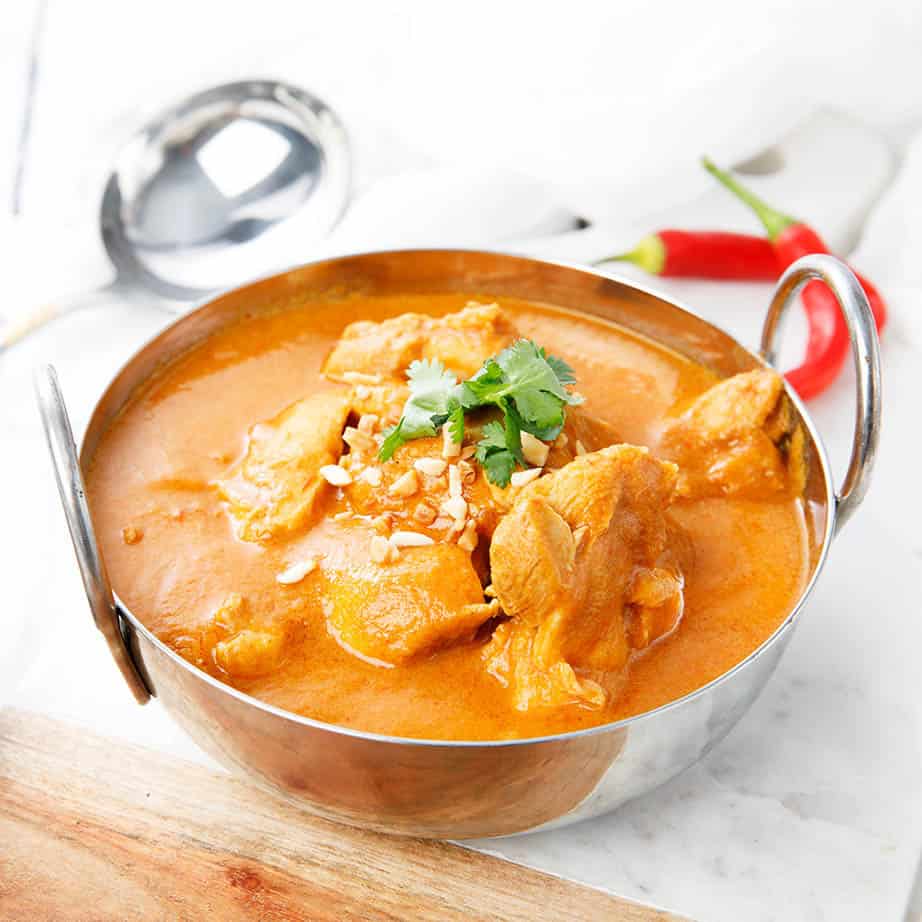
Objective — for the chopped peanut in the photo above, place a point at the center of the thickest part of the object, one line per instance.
(410, 539)
(381, 550)
(335, 475)
(296, 571)
(358, 440)
(456, 507)
(371, 475)
(382, 524)
(359, 377)
(450, 448)
(432, 467)
(534, 450)
(454, 482)
(367, 423)
(405, 485)
(467, 471)
(424, 514)
(520, 478)
(469, 538)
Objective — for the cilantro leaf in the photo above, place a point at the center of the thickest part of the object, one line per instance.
(528, 385)
(499, 450)
(456, 424)
(476, 391)
(493, 435)
(523, 374)
(499, 466)
(526, 369)
(434, 394)
(565, 374)
(393, 439)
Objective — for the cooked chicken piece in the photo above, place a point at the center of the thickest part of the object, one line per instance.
(273, 491)
(370, 352)
(585, 554)
(739, 438)
(249, 653)
(427, 598)
(382, 400)
(230, 641)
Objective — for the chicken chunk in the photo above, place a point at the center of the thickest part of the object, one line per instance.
(739, 438)
(426, 599)
(231, 641)
(275, 488)
(586, 567)
(372, 352)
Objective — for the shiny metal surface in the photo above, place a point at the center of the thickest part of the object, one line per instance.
(865, 351)
(194, 195)
(435, 788)
(69, 477)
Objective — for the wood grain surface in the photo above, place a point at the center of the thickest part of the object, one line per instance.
(93, 830)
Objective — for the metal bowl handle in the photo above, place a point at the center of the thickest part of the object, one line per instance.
(73, 497)
(854, 303)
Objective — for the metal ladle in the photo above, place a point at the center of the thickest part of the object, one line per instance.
(195, 195)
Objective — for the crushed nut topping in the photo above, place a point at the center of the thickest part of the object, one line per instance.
(410, 539)
(534, 450)
(367, 423)
(335, 475)
(425, 514)
(454, 482)
(469, 538)
(520, 478)
(382, 523)
(456, 507)
(358, 440)
(405, 485)
(372, 476)
(296, 571)
(359, 377)
(432, 467)
(381, 550)
(450, 448)
(468, 472)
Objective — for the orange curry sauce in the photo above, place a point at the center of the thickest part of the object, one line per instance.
(173, 555)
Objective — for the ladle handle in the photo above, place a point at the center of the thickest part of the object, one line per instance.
(23, 323)
(865, 351)
(73, 497)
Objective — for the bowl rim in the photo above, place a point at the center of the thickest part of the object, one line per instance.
(613, 726)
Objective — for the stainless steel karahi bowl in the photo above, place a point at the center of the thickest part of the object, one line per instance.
(464, 789)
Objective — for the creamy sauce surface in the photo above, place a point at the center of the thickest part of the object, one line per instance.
(153, 472)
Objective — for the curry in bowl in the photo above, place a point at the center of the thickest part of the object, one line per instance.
(444, 517)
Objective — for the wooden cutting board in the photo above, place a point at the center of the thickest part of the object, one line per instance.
(98, 829)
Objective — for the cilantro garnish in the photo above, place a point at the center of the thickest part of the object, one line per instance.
(526, 384)
(434, 398)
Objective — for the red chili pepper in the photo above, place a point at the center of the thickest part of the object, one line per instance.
(827, 339)
(704, 255)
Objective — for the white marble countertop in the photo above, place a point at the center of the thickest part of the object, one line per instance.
(811, 809)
